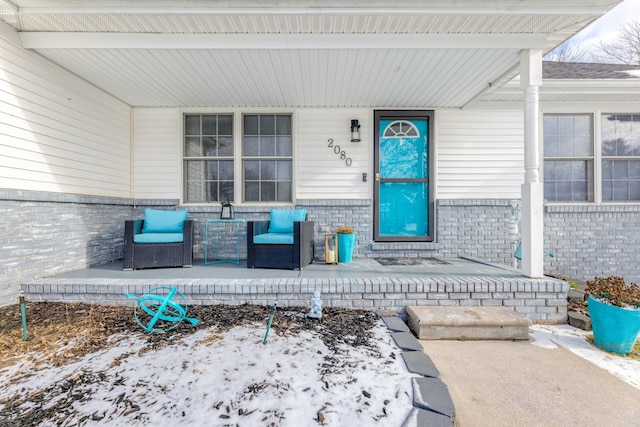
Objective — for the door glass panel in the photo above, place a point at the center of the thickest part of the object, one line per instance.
(403, 149)
(403, 209)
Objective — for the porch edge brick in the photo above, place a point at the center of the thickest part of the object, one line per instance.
(388, 292)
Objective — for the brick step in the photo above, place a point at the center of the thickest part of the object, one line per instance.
(467, 323)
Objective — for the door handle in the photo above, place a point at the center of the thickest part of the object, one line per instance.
(377, 177)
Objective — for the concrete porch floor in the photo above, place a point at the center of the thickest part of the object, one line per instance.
(359, 268)
(363, 283)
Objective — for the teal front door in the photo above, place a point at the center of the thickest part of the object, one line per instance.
(402, 193)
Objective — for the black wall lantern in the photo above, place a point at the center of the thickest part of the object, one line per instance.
(227, 211)
(355, 130)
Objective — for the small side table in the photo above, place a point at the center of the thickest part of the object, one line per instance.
(217, 223)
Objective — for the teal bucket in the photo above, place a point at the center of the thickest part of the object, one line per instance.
(615, 329)
(346, 243)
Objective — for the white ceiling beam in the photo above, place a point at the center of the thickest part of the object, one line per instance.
(58, 40)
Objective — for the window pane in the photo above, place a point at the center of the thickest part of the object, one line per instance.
(209, 125)
(583, 145)
(634, 169)
(620, 170)
(283, 146)
(607, 169)
(634, 190)
(551, 146)
(267, 191)
(225, 146)
(251, 125)
(226, 170)
(209, 146)
(225, 125)
(283, 125)
(620, 190)
(226, 191)
(251, 191)
(550, 191)
(212, 170)
(250, 146)
(267, 125)
(252, 170)
(192, 125)
(267, 171)
(268, 146)
(550, 171)
(192, 147)
(284, 172)
(550, 125)
(579, 191)
(284, 191)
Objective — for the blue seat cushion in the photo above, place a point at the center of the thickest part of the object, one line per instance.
(273, 239)
(281, 221)
(158, 238)
(163, 221)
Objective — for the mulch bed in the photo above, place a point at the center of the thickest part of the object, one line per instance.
(61, 333)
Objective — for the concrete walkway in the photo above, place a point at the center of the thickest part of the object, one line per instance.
(497, 383)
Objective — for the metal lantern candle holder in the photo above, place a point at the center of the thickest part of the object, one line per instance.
(227, 211)
(331, 248)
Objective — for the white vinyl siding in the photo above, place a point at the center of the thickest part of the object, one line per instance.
(320, 172)
(479, 154)
(157, 153)
(57, 132)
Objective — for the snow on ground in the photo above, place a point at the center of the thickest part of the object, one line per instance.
(225, 379)
(575, 340)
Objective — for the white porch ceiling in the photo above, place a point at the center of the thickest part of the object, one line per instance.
(436, 54)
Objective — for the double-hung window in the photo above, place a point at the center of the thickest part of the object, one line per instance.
(568, 157)
(208, 158)
(583, 165)
(267, 157)
(620, 157)
(259, 171)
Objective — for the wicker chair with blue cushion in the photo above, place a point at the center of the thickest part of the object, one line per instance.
(163, 239)
(285, 241)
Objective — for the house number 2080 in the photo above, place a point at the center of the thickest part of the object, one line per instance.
(340, 152)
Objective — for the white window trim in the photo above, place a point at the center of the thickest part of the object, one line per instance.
(238, 190)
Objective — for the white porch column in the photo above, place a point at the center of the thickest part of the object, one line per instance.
(532, 189)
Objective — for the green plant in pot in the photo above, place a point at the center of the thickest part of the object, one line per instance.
(614, 308)
(346, 243)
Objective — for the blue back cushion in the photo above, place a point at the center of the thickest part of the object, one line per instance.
(281, 221)
(163, 221)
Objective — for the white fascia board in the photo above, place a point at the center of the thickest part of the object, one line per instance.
(59, 40)
(9, 33)
(579, 86)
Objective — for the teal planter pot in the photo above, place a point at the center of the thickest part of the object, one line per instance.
(346, 243)
(615, 329)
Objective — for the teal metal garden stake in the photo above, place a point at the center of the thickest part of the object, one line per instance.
(273, 312)
(24, 319)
